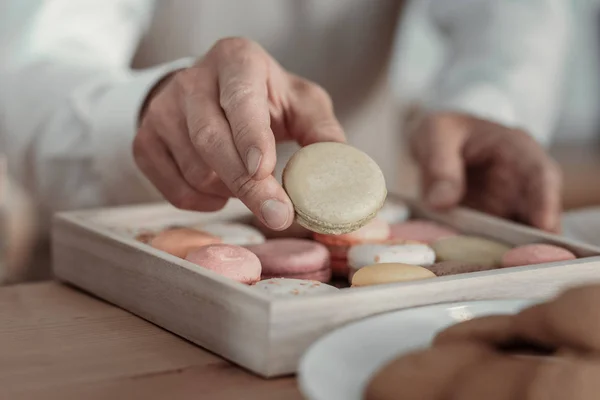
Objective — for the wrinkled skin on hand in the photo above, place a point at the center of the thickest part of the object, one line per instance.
(209, 132)
(489, 167)
(465, 361)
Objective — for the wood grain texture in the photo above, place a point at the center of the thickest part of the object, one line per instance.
(58, 343)
(92, 250)
(217, 313)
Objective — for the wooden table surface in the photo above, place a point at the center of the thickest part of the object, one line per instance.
(59, 343)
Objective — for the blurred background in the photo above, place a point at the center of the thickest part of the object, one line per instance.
(418, 55)
(575, 142)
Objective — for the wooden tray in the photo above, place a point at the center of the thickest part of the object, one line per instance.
(95, 250)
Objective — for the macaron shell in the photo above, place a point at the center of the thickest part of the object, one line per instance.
(323, 275)
(234, 233)
(291, 256)
(394, 212)
(281, 287)
(532, 254)
(444, 268)
(233, 262)
(335, 188)
(180, 241)
(364, 254)
(378, 274)
(470, 250)
(412, 254)
(421, 231)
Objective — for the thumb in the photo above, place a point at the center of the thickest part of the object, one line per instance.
(438, 144)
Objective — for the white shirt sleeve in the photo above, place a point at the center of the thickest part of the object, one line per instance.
(69, 101)
(504, 60)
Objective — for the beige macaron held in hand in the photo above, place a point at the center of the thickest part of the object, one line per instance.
(335, 188)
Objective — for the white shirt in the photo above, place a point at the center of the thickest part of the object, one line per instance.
(577, 113)
(73, 75)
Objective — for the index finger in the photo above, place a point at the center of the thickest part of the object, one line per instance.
(242, 78)
(438, 144)
(543, 183)
(211, 136)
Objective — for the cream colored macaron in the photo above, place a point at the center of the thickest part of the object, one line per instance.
(378, 274)
(335, 188)
(470, 249)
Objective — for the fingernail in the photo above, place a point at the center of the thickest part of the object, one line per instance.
(253, 158)
(441, 194)
(275, 213)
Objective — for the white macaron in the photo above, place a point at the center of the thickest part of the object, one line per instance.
(369, 254)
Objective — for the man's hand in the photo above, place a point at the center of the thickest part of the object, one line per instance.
(468, 361)
(568, 322)
(209, 132)
(486, 166)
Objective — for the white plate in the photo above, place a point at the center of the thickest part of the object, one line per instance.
(339, 365)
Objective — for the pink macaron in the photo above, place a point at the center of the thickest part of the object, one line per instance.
(180, 241)
(421, 231)
(231, 261)
(535, 254)
(293, 258)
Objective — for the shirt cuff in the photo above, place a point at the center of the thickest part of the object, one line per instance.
(115, 125)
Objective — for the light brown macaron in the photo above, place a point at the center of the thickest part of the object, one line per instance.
(444, 268)
(335, 188)
(383, 273)
(471, 250)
